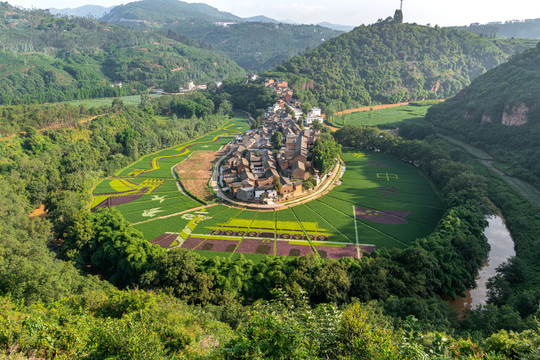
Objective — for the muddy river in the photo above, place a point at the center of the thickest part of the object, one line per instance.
(502, 247)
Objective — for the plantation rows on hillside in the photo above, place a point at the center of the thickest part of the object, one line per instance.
(53, 59)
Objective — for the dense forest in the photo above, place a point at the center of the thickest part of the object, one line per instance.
(391, 62)
(49, 59)
(253, 45)
(500, 113)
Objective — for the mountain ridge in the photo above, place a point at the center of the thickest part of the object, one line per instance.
(255, 46)
(392, 62)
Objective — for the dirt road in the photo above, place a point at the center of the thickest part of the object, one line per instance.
(525, 189)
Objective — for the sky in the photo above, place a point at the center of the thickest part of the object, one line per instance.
(350, 12)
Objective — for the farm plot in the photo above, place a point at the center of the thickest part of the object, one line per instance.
(147, 189)
(155, 228)
(327, 231)
(384, 117)
(381, 202)
(387, 199)
(195, 172)
(159, 165)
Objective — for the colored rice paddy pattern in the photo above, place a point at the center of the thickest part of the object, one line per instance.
(381, 202)
(147, 189)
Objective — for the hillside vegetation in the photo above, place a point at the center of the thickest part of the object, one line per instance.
(500, 112)
(391, 62)
(47, 59)
(228, 308)
(527, 29)
(255, 44)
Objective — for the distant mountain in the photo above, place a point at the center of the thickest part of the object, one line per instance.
(166, 11)
(262, 19)
(391, 62)
(337, 27)
(256, 43)
(86, 10)
(46, 58)
(500, 112)
(526, 29)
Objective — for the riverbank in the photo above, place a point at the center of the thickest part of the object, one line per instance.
(502, 248)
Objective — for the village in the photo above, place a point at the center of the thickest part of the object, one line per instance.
(274, 161)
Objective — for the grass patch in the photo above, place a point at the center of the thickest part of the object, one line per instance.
(390, 117)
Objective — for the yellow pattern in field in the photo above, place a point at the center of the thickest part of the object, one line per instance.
(185, 149)
(121, 185)
(126, 188)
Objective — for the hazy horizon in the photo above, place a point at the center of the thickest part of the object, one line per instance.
(348, 12)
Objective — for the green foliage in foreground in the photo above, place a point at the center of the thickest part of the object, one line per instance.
(138, 325)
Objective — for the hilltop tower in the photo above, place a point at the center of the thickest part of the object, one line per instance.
(398, 15)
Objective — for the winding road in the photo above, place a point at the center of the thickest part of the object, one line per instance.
(525, 189)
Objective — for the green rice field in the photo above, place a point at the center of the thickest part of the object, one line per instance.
(384, 118)
(127, 100)
(380, 202)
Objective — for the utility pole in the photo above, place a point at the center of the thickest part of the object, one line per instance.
(401, 7)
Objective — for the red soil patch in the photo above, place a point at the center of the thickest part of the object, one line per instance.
(218, 245)
(283, 248)
(195, 172)
(120, 200)
(39, 212)
(192, 243)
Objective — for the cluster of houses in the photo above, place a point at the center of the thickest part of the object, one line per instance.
(255, 171)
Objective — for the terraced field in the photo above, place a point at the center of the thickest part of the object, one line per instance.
(381, 202)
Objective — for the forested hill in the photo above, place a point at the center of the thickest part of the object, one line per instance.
(47, 58)
(500, 112)
(163, 11)
(391, 62)
(527, 29)
(253, 43)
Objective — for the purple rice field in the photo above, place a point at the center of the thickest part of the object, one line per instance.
(256, 246)
(334, 252)
(165, 240)
(191, 243)
(218, 245)
(283, 248)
